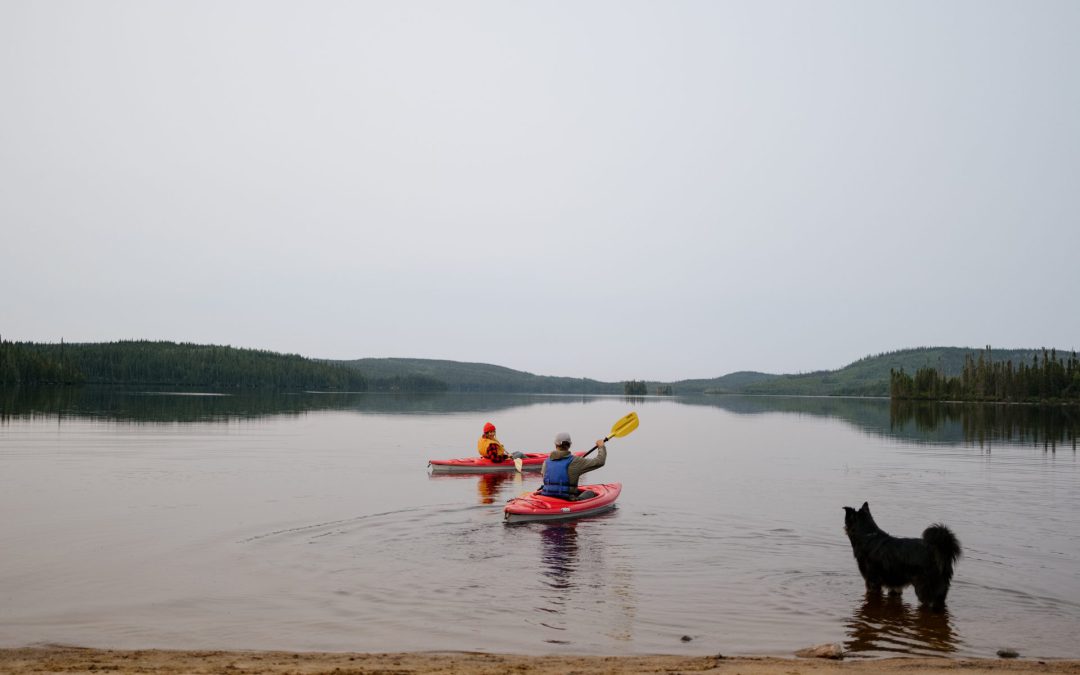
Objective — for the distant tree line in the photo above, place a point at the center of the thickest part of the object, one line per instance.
(465, 377)
(418, 383)
(23, 363)
(1047, 378)
(169, 363)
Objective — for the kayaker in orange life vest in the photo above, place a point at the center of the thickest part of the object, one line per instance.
(563, 470)
(489, 447)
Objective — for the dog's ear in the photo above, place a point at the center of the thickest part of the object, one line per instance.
(865, 507)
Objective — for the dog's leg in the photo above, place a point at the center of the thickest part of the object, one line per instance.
(873, 586)
(931, 593)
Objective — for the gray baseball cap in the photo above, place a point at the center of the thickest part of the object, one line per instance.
(562, 438)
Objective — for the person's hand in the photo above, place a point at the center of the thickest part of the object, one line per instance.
(600, 443)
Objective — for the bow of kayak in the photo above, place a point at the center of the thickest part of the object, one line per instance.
(537, 507)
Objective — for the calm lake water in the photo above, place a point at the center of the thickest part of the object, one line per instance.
(310, 522)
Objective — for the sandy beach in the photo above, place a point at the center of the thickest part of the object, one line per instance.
(80, 660)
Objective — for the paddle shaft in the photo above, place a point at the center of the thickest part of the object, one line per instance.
(606, 439)
(621, 428)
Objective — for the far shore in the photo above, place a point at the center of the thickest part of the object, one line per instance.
(56, 659)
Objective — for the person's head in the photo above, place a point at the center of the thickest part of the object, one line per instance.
(562, 440)
(489, 428)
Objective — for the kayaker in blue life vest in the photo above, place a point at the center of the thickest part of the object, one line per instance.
(562, 470)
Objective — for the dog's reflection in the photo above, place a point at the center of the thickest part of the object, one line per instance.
(885, 623)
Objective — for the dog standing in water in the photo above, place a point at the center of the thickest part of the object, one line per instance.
(896, 562)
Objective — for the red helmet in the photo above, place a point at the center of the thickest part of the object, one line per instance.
(489, 427)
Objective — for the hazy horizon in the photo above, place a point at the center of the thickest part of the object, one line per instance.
(611, 190)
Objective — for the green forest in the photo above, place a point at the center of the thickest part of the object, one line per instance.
(939, 372)
(868, 376)
(460, 376)
(169, 363)
(1048, 377)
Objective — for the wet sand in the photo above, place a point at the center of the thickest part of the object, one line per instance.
(79, 660)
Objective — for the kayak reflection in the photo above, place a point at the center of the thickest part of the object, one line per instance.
(586, 579)
(487, 485)
(491, 488)
(559, 556)
(888, 624)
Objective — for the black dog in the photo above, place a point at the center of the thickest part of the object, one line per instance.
(894, 562)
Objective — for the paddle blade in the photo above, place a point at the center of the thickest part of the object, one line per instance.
(624, 426)
(517, 464)
(621, 428)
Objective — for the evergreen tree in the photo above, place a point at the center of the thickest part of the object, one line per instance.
(1048, 378)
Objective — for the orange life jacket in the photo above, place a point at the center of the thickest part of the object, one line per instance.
(491, 448)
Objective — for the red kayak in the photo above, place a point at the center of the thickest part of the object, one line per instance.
(535, 506)
(531, 462)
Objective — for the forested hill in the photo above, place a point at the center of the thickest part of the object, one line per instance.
(476, 377)
(191, 365)
(171, 364)
(732, 383)
(869, 376)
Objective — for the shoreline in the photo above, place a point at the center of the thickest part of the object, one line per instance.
(57, 659)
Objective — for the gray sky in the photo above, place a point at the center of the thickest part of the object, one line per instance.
(615, 190)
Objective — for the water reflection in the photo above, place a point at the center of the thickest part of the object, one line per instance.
(487, 486)
(491, 488)
(147, 405)
(584, 582)
(885, 623)
(559, 556)
(871, 414)
(1047, 426)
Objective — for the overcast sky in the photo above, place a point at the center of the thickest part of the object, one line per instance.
(615, 190)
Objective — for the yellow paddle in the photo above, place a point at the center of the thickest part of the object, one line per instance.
(620, 429)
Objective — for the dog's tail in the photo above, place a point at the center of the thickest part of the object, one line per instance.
(944, 546)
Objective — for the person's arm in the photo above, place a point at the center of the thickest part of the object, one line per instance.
(580, 465)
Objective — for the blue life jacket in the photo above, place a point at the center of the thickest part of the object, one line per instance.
(557, 478)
